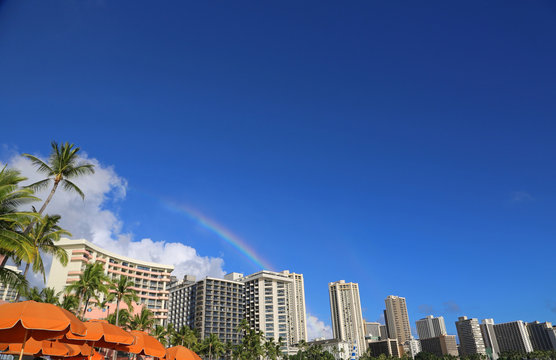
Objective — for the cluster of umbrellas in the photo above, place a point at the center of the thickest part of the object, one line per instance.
(40, 329)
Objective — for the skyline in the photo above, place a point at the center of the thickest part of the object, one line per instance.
(408, 148)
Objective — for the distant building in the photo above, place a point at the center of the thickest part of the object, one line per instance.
(372, 330)
(345, 309)
(275, 305)
(181, 303)
(513, 336)
(539, 334)
(8, 292)
(470, 337)
(339, 348)
(489, 337)
(440, 345)
(430, 327)
(388, 347)
(412, 347)
(397, 319)
(150, 279)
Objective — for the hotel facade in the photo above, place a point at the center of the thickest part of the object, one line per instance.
(151, 279)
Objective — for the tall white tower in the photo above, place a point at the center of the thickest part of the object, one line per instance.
(347, 319)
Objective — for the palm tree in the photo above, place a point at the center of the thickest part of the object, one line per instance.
(63, 164)
(91, 283)
(34, 294)
(50, 296)
(143, 321)
(124, 319)
(70, 303)
(160, 333)
(184, 336)
(212, 345)
(122, 290)
(12, 242)
(43, 236)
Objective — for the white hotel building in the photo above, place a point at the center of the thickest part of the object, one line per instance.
(151, 279)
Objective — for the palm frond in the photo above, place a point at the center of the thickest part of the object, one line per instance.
(42, 167)
(39, 185)
(82, 169)
(69, 186)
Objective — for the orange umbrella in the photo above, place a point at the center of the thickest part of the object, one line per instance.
(101, 333)
(40, 347)
(144, 345)
(181, 353)
(26, 320)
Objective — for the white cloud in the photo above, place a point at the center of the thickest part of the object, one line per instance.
(316, 328)
(521, 196)
(92, 219)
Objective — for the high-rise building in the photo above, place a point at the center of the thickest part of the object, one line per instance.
(489, 337)
(150, 279)
(412, 347)
(275, 305)
(383, 332)
(470, 337)
(539, 334)
(388, 347)
(397, 318)
(440, 345)
(181, 302)
(296, 308)
(430, 326)
(219, 307)
(513, 336)
(372, 330)
(8, 292)
(347, 319)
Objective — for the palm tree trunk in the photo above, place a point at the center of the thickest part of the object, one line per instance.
(43, 207)
(117, 322)
(80, 304)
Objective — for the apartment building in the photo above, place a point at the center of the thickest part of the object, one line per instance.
(8, 292)
(513, 336)
(181, 302)
(372, 330)
(219, 307)
(397, 319)
(388, 347)
(539, 334)
(430, 326)
(440, 345)
(347, 319)
(470, 337)
(151, 279)
(489, 337)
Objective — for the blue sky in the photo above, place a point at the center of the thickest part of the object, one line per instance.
(406, 146)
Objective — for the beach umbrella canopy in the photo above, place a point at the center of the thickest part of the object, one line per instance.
(144, 345)
(101, 333)
(39, 347)
(39, 321)
(181, 353)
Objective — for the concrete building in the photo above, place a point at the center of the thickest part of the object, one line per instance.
(7, 291)
(440, 345)
(397, 319)
(339, 348)
(430, 326)
(388, 347)
(347, 319)
(275, 305)
(219, 307)
(181, 302)
(296, 308)
(513, 336)
(552, 336)
(412, 347)
(372, 330)
(539, 334)
(489, 337)
(383, 332)
(151, 279)
(470, 337)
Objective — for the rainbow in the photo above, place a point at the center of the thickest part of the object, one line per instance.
(219, 231)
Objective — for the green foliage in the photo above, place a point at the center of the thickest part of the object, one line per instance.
(91, 284)
(143, 321)
(311, 352)
(535, 355)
